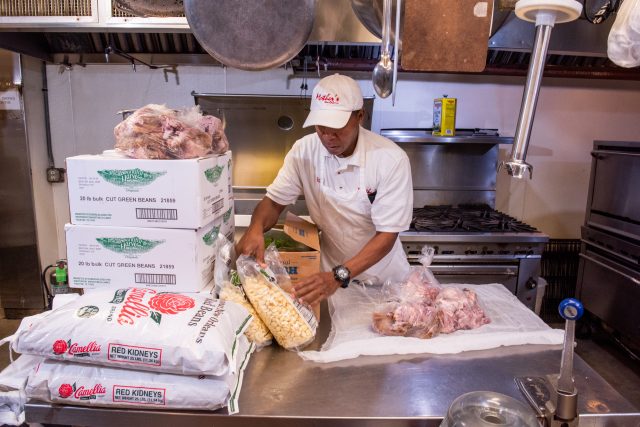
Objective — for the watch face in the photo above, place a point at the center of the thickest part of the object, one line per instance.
(342, 273)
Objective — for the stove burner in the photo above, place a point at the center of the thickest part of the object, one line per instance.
(474, 218)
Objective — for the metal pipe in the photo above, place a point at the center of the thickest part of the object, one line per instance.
(516, 165)
(47, 123)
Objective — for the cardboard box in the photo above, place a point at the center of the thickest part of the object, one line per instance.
(444, 117)
(113, 190)
(304, 259)
(167, 260)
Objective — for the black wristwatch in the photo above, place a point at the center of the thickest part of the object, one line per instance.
(342, 274)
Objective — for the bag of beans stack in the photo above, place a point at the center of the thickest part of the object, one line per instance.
(87, 385)
(141, 329)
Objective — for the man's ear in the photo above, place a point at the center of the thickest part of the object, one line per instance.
(360, 116)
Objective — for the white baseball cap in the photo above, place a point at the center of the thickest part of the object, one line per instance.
(333, 100)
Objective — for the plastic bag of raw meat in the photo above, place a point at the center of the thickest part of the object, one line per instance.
(157, 132)
(292, 324)
(420, 284)
(229, 288)
(420, 307)
(189, 334)
(407, 307)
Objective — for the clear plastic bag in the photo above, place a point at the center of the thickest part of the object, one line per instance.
(420, 307)
(157, 132)
(292, 324)
(420, 284)
(407, 307)
(228, 287)
(623, 44)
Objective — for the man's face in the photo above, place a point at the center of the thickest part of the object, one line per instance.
(341, 142)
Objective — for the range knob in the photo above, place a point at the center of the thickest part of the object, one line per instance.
(531, 284)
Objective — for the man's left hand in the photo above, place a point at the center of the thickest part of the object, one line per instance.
(315, 288)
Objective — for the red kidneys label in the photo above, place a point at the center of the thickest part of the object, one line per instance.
(139, 395)
(134, 354)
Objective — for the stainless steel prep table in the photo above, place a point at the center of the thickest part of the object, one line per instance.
(281, 389)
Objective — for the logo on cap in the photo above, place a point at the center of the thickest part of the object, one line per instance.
(328, 98)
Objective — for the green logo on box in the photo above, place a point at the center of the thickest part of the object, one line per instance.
(226, 216)
(129, 177)
(213, 174)
(211, 236)
(128, 245)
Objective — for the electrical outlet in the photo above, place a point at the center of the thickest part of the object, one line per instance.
(55, 174)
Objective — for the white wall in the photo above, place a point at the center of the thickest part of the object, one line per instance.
(47, 221)
(570, 115)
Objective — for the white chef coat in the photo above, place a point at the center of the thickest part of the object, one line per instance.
(338, 193)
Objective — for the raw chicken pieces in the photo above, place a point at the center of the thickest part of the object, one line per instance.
(423, 310)
(459, 309)
(157, 132)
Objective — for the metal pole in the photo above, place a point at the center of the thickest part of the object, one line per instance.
(516, 165)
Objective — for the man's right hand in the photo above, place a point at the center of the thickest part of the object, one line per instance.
(252, 244)
(264, 217)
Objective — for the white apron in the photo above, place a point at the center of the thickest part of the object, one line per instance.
(346, 225)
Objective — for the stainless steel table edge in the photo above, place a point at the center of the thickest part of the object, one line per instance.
(45, 413)
(370, 391)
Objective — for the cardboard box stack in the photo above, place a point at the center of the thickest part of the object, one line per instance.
(146, 223)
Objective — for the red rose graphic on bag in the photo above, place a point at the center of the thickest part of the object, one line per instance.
(171, 303)
(65, 390)
(60, 347)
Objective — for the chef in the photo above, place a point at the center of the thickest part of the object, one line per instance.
(357, 187)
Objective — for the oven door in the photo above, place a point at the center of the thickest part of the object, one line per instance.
(615, 199)
(609, 288)
(476, 273)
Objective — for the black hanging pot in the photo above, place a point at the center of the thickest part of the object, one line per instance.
(251, 34)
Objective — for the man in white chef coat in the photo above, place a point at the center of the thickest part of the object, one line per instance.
(357, 187)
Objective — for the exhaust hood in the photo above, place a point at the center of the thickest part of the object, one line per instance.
(81, 31)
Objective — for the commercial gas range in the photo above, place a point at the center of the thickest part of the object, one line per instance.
(477, 244)
(454, 186)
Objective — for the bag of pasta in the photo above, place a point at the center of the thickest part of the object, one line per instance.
(292, 324)
(229, 288)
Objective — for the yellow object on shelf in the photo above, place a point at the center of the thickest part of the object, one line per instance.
(444, 116)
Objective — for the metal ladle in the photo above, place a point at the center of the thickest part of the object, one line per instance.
(383, 71)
